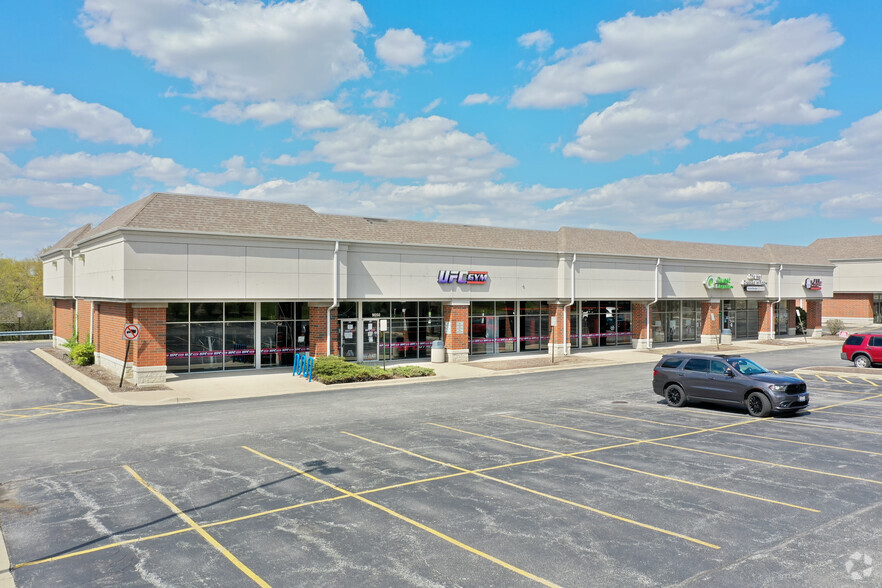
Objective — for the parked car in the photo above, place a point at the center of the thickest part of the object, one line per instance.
(727, 379)
(863, 349)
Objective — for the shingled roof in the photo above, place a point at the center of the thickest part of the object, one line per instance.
(237, 216)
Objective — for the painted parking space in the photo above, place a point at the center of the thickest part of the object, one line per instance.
(12, 414)
(553, 496)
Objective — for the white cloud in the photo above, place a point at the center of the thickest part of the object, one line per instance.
(382, 99)
(401, 48)
(541, 40)
(473, 99)
(432, 105)
(235, 172)
(238, 51)
(838, 179)
(321, 114)
(86, 165)
(443, 52)
(719, 69)
(25, 109)
(23, 235)
(62, 196)
(429, 148)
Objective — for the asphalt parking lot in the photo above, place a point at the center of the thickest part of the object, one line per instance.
(617, 492)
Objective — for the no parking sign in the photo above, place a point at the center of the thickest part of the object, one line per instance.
(131, 332)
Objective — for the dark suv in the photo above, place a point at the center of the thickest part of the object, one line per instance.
(863, 349)
(726, 379)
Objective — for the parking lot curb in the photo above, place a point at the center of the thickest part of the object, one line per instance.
(866, 374)
(6, 579)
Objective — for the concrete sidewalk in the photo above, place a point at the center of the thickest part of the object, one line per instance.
(186, 388)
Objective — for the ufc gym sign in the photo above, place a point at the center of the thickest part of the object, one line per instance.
(462, 277)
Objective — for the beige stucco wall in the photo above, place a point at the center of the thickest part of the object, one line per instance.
(858, 276)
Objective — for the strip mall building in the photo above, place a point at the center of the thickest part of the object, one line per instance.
(230, 284)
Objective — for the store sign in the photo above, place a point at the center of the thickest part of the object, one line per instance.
(718, 283)
(754, 283)
(813, 283)
(462, 277)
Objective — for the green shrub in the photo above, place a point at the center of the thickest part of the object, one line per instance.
(82, 354)
(412, 371)
(73, 341)
(335, 370)
(834, 326)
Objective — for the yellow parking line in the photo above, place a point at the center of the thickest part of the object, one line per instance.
(870, 382)
(798, 376)
(636, 471)
(818, 376)
(18, 416)
(543, 494)
(764, 437)
(656, 442)
(847, 381)
(844, 429)
(864, 399)
(195, 526)
(857, 414)
(408, 520)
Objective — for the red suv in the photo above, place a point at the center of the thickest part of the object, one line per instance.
(863, 349)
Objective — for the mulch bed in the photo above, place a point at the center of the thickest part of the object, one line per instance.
(532, 362)
(102, 375)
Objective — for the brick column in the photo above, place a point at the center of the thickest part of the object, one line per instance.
(62, 320)
(318, 330)
(791, 317)
(557, 341)
(84, 314)
(456, 332)
(814, 325)
(641, 336)
(148, 352)
(765, 320)
(710, 322)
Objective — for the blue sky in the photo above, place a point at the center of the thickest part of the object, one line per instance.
(725, 121)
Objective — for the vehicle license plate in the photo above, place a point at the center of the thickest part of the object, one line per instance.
(802, 397)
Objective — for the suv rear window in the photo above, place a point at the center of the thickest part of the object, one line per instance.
(875, 341)
(697, 365)
(854, 340)
(671, 362)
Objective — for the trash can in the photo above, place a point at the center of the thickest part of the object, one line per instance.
(438, 352)
(726, 337)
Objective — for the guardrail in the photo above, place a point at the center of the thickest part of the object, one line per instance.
(47, 333)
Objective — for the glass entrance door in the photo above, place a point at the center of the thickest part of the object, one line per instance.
(349, 339)
(370, 330)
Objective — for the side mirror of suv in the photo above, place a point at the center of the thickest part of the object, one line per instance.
(730, 372)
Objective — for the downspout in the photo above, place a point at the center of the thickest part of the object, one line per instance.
(566, 332)
(336, 300)
(73, 287)
(777, 302)
(648, 307)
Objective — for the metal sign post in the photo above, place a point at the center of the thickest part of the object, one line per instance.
(131, 332)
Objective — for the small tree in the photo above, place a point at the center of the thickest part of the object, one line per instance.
(834, 326)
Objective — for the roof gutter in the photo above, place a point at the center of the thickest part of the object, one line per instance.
(568, 306)
(648, 307)
(336, 299)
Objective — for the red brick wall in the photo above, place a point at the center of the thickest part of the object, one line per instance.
(557, 333)
(638, 321)
(63, 318)
(454, 314)
(849, 306)
(318, 331)
(813, 314)
(710, 316)
(149, 349)
(765, 316)
(84, 326)
(110, 320)
(791, 314)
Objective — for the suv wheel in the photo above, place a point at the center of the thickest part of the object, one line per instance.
(758, 405)
(862, 361)
(675, 396)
